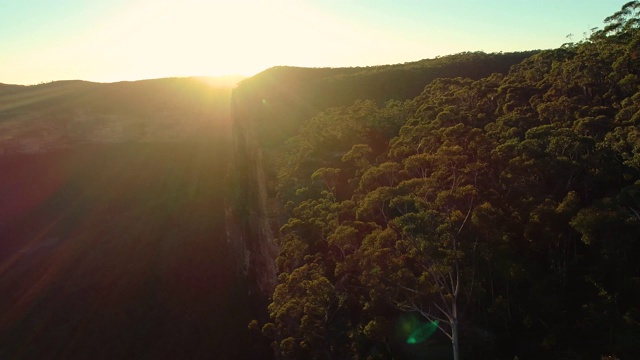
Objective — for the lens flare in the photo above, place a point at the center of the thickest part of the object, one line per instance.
(413, 331)
(422, 332)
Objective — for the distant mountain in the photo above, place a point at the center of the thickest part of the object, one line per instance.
(61, 114)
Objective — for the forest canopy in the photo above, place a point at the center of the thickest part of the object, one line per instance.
(503, 210)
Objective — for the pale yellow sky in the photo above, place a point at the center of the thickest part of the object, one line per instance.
(100, 40)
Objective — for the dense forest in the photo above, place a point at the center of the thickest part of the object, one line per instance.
(279, 99)
(269, 108)
(495, 217)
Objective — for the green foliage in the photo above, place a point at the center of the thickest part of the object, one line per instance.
(503, 208)
(279, 99)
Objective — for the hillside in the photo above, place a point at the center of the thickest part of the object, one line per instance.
(269, 108)
(277, 100)
(496, 217)
(112, 223)
(118, 251)
(63, 114)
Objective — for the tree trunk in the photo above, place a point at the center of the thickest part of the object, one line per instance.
(455, 340)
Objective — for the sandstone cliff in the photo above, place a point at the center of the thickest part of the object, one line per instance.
(250, 221)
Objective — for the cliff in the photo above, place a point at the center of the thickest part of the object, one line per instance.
(250, 230)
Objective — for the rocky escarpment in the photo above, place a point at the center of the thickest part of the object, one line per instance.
(250, 221)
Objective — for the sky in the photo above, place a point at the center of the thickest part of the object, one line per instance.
(116, 40)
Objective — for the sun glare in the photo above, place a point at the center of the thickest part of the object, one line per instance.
(161, 38)
(178, 39)
(151, 39)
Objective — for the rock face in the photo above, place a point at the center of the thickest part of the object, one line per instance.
(249, 221)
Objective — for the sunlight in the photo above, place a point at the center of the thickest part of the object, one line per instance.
(153, 39)
(162, 38)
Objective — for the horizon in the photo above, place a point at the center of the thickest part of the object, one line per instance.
(221, 78)
(241, 77)
(120, 40)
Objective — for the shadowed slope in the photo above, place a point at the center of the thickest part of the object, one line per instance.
(112, 235)
(122, 254)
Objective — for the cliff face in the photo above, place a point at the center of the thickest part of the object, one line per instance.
(249, 221)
